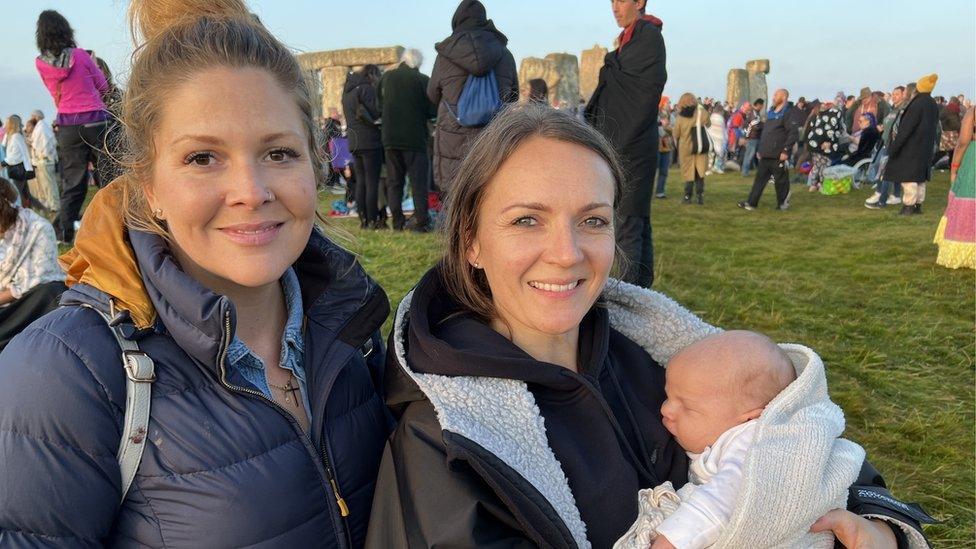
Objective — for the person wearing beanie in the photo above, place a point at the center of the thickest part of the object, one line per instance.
(913, 144)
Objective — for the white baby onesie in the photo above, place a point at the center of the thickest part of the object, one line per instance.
(708, 500)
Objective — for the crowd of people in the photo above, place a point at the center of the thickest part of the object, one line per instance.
(215, 350)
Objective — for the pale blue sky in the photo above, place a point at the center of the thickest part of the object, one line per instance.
(814, 51)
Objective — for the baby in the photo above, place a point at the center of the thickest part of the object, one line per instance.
(716, 389)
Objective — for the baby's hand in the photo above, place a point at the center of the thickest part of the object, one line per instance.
(662, 543)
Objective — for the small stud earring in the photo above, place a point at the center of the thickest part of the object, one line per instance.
(158, 213)
(477, 265)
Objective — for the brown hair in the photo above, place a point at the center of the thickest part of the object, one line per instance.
(180, 38)
(8, 209)
(506, 133)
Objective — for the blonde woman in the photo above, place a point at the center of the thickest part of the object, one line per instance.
(266, 422)
(17, 158)
(44, 155)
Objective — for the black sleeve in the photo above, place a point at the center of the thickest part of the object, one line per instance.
(379, 95)
(869, 495)
(792, 125)
(421, 500)
(367, 98)
(434, 84)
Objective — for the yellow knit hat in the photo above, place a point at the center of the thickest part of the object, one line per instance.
(927, 83)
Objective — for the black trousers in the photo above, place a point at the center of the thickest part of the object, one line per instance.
(367, 164)
(77, 146)
(770, 167)
(635, 244)
(27, 200)
(401, 164)
(698, 185)
(34, 304)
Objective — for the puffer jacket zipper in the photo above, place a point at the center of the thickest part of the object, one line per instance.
(341, 529)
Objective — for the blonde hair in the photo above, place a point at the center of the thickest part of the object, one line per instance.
(176, 39)
(13, 125)
(506, 133)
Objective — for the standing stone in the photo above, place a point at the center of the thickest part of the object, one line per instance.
(591, 62)
(565, 90)
(737, 90)
(758, 65)
(351, 57)
(333, 79)
(757, 87)
(534, 67)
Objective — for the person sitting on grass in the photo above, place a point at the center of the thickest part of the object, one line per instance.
(30, 278)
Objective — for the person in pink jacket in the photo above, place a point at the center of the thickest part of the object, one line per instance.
(77, 85)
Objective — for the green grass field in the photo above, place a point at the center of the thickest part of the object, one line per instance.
(859, 286)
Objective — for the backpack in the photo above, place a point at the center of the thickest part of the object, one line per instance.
(479, 101)
(700, 142)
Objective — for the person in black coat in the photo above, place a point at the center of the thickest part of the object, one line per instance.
(779, 135)
(406, 111)
(913, 147)
(365, 143)
(624, 109)
(475, 47)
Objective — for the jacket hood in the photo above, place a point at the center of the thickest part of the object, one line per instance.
(444, 341)
(653, 20)
(102, 257)
(138, 273)
(469, 14)
(354, 80)
(56, 67)
(475, 44)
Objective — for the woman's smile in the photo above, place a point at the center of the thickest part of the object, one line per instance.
(556, 289)
(252, 234)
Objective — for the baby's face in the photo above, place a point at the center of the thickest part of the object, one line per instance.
(698, 409)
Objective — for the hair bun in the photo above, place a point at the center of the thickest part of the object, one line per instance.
(150, 18)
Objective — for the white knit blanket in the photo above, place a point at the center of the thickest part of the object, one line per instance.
(797, 468)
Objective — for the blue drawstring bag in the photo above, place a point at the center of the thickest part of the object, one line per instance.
(479, 101)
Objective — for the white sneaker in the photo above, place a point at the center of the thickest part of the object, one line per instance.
(893, 201)
(875, 198)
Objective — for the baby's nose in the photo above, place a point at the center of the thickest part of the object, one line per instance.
(665, 409)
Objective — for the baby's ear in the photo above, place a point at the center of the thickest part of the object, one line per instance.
(751, 414)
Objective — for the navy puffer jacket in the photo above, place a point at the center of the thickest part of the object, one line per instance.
(223, 467)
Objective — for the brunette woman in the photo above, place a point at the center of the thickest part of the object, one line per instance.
(530, 416)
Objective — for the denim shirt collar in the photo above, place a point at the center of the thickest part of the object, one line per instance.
(244, 364)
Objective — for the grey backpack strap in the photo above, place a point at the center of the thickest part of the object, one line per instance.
(140, 373)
